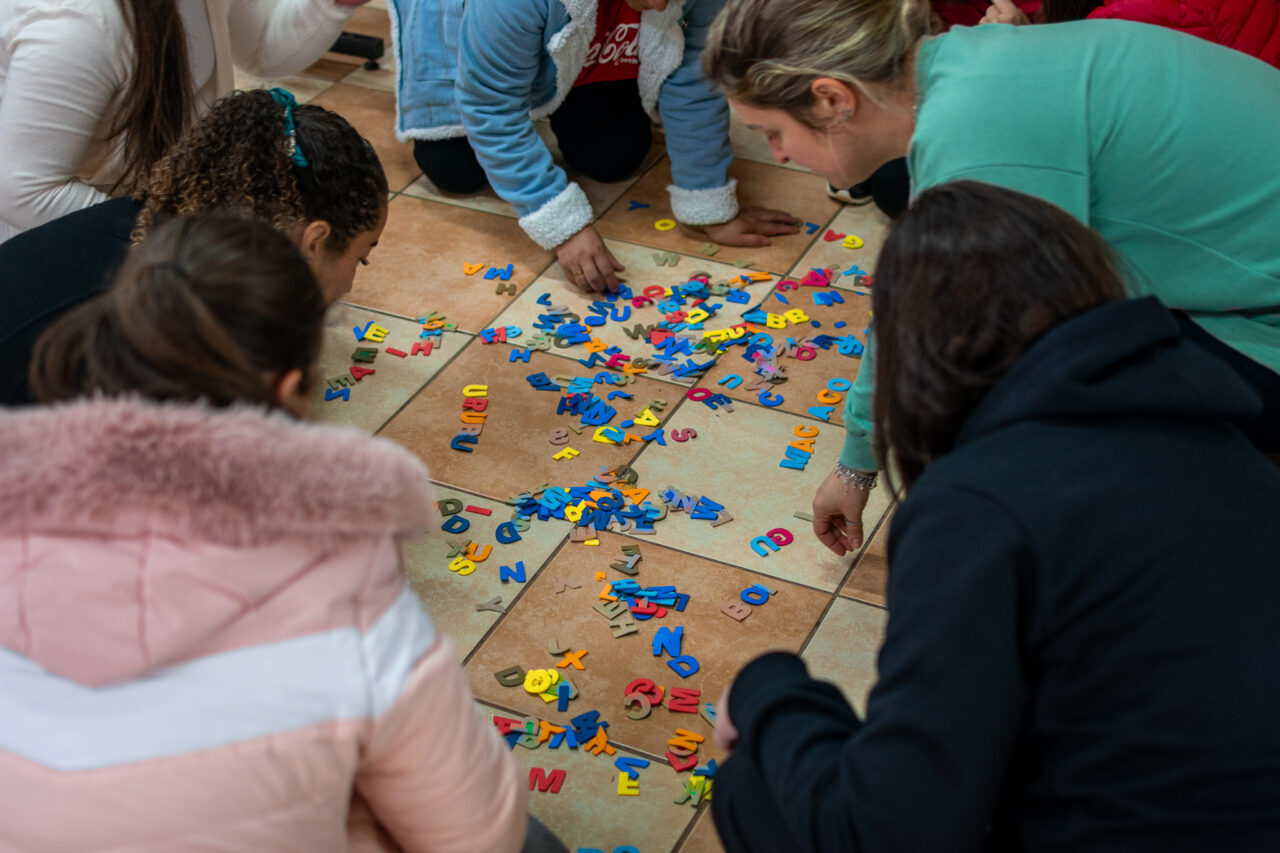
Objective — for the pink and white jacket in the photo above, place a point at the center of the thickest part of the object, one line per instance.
(206, 642)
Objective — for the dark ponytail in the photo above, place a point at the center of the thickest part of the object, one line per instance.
(211, 308)
(160, 98)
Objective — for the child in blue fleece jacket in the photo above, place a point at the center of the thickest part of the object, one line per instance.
(475, 73)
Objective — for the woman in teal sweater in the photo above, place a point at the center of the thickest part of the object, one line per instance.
(1163, 143)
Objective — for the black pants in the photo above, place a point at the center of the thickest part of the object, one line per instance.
(602, 130)
(890, 187)
(1264, 430)
(46, 272)
(747, 818)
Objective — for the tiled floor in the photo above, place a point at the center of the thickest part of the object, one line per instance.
(544, 586)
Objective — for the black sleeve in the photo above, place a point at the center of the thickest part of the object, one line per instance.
(925, 769)
(47, 271)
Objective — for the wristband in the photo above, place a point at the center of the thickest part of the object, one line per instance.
(855, 479)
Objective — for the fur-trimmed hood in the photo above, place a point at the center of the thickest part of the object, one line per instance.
(234, 477)
(136, 535)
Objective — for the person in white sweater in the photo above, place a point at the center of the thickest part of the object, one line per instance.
(93, 92)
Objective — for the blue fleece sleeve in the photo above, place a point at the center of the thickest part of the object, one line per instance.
(923, 771)
(695, 118)
(500, 47)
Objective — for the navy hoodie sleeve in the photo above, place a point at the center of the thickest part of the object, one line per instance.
(925, 769)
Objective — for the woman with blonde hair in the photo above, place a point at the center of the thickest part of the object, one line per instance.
(1165, 144)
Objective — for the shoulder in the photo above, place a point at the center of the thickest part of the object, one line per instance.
(105, 18)
(993, 483)
(546, 11)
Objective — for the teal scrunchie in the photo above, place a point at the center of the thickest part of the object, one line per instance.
(285, 98)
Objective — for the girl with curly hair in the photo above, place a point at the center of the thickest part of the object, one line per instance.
(246, 156)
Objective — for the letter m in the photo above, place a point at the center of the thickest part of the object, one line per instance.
(538, 778)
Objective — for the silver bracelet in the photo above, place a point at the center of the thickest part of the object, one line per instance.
(856, 479)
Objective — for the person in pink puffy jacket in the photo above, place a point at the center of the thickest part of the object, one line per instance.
(1249, 26)
(206, 641)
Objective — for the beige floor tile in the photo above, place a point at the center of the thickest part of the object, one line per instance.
(383, 78)
(375, 398)
(303, 86)
(870, 575)
(642, 271)
(703, 839)
(450, 598)
(332, 67)
(418, 266)
(865, 222)
(601, 195)
(805, 379)
(801, 195)
(486, 200)
(589, 814)
(373, 114)
(752, 145)
(514, 452)
(371, 20)
(845, 648)
(720, 644)
(734, 461)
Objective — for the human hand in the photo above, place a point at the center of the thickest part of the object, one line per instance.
(837, 514)
(725, 735)
(753, 227)
(588, 263)
(1004, 12)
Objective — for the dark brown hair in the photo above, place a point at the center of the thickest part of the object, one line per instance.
(969, 278)
(211, 307)
(235, 159)
(160, 99)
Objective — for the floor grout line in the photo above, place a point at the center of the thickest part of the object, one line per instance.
(516, 600)
(429, 380)
(812, 246)
(703, 808)
(836, 595)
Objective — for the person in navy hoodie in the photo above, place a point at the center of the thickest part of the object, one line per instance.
(474, 74)
(1083, 595)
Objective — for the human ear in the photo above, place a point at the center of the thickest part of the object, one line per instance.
(290, 395)
(313, 239)
(834, 101)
